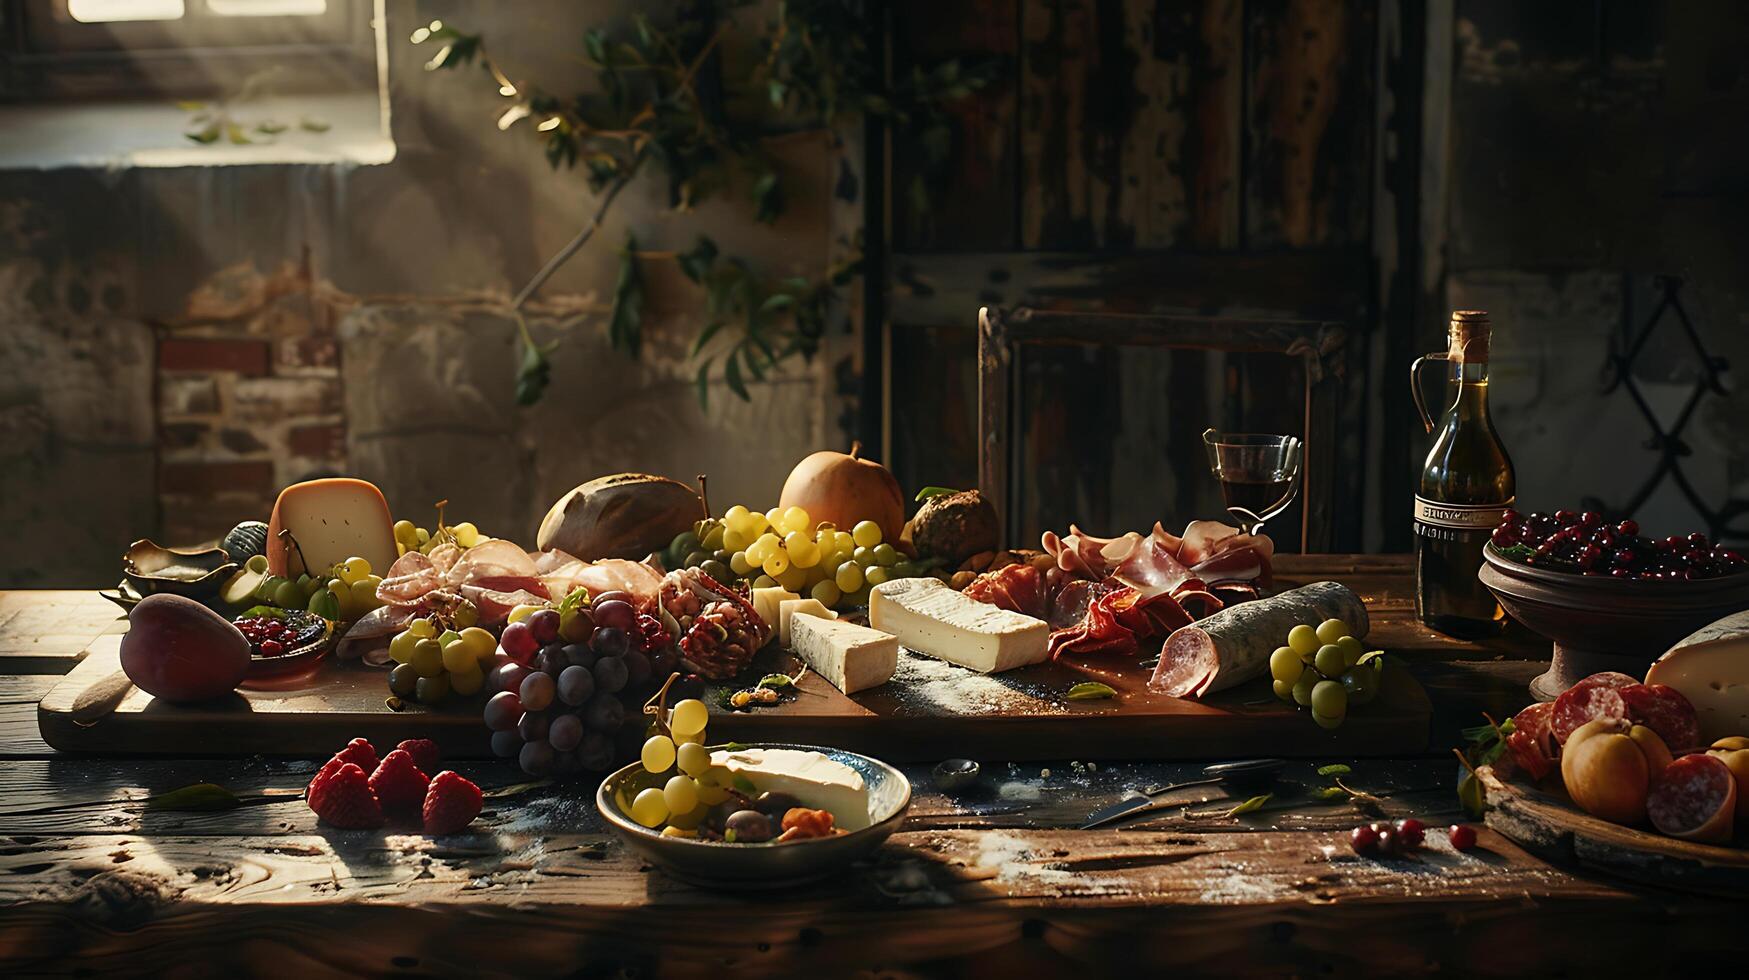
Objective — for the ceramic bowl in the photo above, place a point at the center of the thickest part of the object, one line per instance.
(715, 864)
(193, 572)
(1598, 623)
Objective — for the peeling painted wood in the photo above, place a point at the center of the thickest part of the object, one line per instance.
(1309, 117)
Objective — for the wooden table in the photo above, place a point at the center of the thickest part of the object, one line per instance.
(991, 884)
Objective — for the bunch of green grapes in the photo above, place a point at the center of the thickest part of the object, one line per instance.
(343, 593)
(410, 538)
(785, 548)
(680, 802)
(430, 665)
(1326, 669)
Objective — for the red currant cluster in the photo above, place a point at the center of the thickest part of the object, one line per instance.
(1586, 543)
(269, 636)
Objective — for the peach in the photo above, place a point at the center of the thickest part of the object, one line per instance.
(1607, 772)
(1734, 753)
(1652, 746)
(179, 650)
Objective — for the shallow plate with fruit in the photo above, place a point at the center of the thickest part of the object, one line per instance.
(282, 640)
(733, 860)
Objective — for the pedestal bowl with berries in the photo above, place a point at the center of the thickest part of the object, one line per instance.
(1607, 596)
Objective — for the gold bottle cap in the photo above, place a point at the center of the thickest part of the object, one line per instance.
(1469, 335)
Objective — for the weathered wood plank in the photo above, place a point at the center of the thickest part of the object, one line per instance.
(46, 632)
(19, 694)
(947, 289)
(1130, 127)
(969, 202)
(1310, 122)
(66, 796)
(1237, 903)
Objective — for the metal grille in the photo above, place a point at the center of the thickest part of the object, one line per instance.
(1669, 444)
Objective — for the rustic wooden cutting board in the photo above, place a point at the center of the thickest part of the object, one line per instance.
(1549, 825)
(931, 710)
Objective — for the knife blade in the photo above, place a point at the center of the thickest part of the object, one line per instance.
(1250, 773)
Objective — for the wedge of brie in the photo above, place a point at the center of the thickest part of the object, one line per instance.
(819, 782)
(932, 619)
(851, 657)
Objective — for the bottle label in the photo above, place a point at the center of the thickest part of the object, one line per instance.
(1459, 517)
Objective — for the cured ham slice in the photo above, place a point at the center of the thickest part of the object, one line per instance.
(1233, 645)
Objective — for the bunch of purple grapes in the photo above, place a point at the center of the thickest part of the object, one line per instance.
(1586, 543)
(564, 696)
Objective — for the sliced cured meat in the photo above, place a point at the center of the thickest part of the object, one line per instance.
(1149, 616)
(492, 558)
(375, 628)
(495, 605)
(1150, 569)
(1018, 588)
(1610, 678)
(1071, 602)
(1233, 645)
(1194, 594)
(1528, 753)
(1533, 724)
(1694, 798)
(1098, 633)
(1664, 710)
(1585, 702)
(409, 579)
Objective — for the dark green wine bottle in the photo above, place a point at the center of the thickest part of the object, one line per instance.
(1466, 487)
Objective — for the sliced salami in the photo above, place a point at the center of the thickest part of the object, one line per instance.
(1694, 799)
(1585, 702)
(1533, 724)
(1610, 678)
(1664, 710)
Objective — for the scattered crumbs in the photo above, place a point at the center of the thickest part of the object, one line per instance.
(1238, 885)
(1019, 790)
(1012, 859)
(927, 683)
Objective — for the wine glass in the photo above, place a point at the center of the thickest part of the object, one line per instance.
(1259, 474)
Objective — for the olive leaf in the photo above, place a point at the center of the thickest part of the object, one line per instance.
(927, 492)
(1253, 804)
(625, 322)
(1090, 691)
(197, 798)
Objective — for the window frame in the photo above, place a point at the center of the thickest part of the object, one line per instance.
(50, 57)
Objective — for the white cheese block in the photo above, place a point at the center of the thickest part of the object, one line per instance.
(787, 609)
(819, 782)
(1711, 669)
(331, 520)
(766, 603)
(932, 619)
(851, 657)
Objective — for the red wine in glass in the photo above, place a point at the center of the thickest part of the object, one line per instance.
(1259, 474)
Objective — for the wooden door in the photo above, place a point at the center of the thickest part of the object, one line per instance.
(1207, 158)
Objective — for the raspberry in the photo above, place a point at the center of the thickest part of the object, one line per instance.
(399, 785)
(340, 795)
(451, 803)
(424, 753)
(360, 753)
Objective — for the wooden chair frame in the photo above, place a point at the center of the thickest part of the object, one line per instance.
(1318, 343)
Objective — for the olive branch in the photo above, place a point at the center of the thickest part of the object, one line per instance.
(659, 107)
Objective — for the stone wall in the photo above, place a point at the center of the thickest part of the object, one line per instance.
(181, 343)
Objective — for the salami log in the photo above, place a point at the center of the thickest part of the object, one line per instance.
(1664, 710)
(1695, 799)
(1233, 645)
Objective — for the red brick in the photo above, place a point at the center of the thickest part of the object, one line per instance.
(246, 357)
(208, 479)
(182, 435)
(326, 441)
